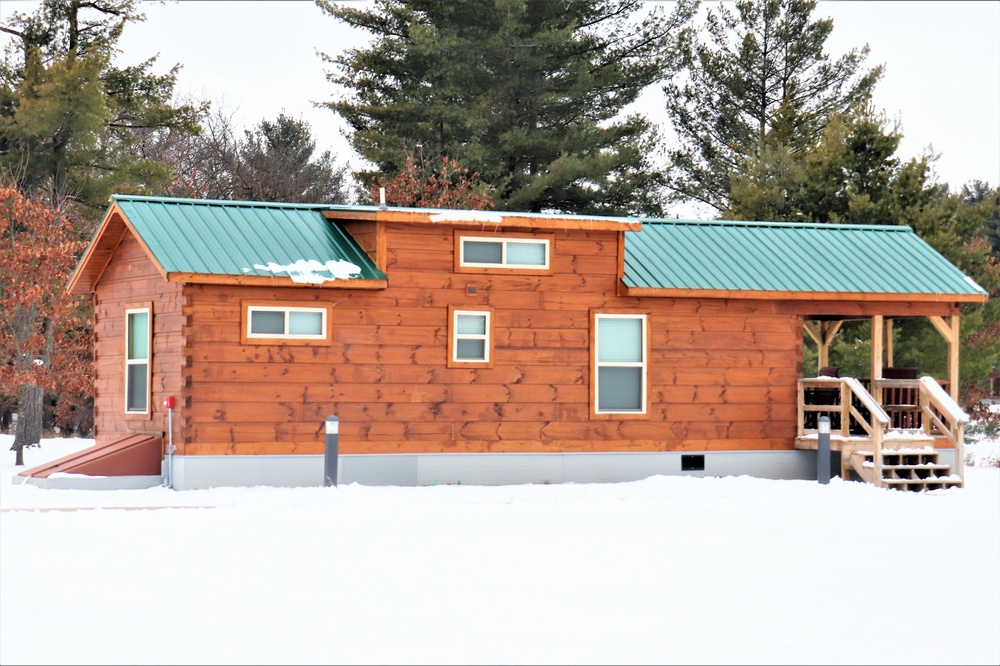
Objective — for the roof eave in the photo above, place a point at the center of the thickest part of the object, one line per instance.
(274, 281)
(95, 260)
(493, 220)
(759, 294)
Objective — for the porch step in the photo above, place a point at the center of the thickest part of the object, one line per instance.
(906, 469)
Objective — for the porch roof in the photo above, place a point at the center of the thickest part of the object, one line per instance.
(789, 260)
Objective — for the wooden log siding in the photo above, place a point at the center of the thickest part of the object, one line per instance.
(722, 374)
(131, 279)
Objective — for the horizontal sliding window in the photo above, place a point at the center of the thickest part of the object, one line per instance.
(527, 253)
(292, 323)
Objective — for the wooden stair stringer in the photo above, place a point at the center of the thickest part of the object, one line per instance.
(906, 469)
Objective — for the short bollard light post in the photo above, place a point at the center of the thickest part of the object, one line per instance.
(330, 459)
(823, 451)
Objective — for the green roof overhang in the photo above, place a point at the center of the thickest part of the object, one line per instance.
(725, 259)
(226, 242)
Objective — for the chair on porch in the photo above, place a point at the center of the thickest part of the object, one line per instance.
(901, 403)
(824, 396)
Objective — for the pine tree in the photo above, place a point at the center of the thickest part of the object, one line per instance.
(852, 176)
(72, 124)
(759, 69)
(277, 163)
(275, 160)
(528, 93)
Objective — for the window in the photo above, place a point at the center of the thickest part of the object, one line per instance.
(524, 253)
(137, 343)
(620, 362)
(469, 339)
(286, 322)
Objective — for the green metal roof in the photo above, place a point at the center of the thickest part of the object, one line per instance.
(788, 257)
(246, 238)
(268, 239)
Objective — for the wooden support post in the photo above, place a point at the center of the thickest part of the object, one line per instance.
(822, 334)
(801, 397)
(949, 331)
(878, 336)
(953, 347)
(888, 344)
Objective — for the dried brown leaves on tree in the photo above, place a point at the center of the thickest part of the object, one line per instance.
(447, 186)
(43, 329)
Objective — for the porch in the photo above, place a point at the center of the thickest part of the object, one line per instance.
(888, 431)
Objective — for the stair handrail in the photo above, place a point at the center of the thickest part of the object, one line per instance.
(932, 395)
(877, 426)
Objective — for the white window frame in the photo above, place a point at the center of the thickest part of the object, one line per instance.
(485, 337)
(146, 361)
(287, 310)
(643, 364)
(504, 242)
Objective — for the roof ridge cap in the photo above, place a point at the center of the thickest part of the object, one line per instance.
(766, 223)
(190, 201)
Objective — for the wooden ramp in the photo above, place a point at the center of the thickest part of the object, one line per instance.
(133, 455)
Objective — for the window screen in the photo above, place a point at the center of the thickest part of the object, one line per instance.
(305, 323)
(525, 254)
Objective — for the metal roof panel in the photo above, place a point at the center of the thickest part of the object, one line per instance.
(787, 257)
(243, 238)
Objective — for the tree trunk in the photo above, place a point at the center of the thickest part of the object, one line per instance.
(29, 421)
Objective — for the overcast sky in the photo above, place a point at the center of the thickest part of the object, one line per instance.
(259, 58)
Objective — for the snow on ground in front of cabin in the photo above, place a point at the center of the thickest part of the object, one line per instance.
(665, 570)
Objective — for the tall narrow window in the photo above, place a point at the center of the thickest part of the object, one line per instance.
(470, 338)
(620, 350)
(137, 343)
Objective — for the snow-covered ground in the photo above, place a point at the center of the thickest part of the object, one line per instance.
(666, 570)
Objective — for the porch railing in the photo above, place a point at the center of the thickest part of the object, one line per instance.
(847, 403)
(906, 403)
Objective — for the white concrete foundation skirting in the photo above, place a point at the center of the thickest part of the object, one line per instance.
(191, 472)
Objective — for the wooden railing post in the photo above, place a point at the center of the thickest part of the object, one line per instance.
(845, 409)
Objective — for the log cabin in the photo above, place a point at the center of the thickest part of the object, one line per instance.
(482, 347)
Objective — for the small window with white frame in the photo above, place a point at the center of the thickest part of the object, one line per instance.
(620, 363)
(282, 322)
(138, 338)
(519, 253)
(470, 337)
